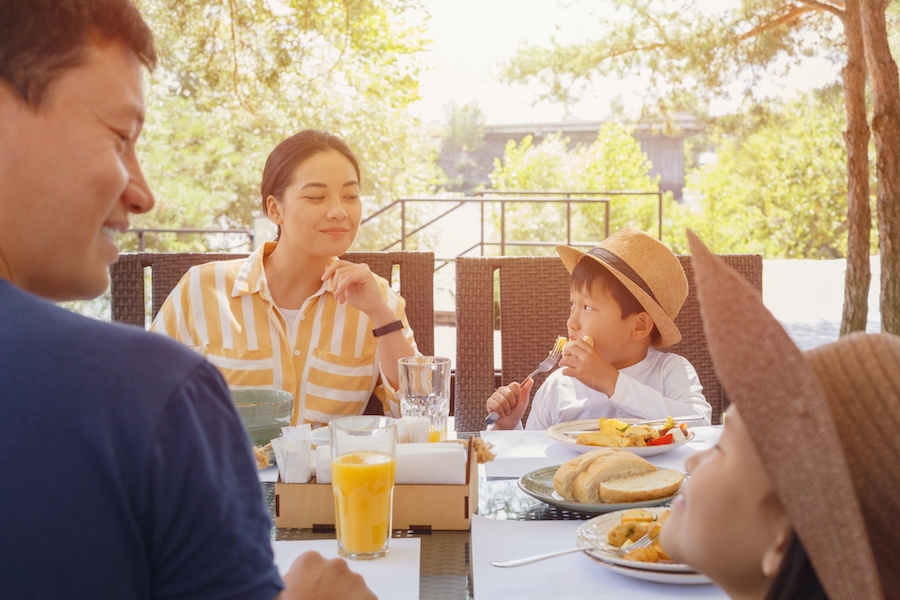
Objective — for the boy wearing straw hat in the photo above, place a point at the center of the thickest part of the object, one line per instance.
(626, 293)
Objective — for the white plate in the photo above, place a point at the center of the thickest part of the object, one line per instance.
(539, 484)
(558, 434)
(593, 534)
(659, 576)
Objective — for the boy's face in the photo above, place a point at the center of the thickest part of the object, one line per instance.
(595, 313)
(69, 175)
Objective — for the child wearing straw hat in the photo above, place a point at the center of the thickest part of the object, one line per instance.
(799, 498)
(625, 293)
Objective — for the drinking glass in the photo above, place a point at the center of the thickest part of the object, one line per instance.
(425, 392)
(363, 463)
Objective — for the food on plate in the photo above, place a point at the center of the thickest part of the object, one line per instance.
(261, 454)
(580, 478)
(639, 488)
(614, 433)
(632, 529)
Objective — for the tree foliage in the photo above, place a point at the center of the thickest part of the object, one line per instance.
(235, 78)
(462, 148)
(690, 57)
(614, 161)
(779, 190)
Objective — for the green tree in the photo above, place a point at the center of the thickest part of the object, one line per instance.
(780, 190)
(235, 78)
(462, 147)
(614, 161)
(691, 57)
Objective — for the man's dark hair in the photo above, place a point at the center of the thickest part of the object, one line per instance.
(40, 39)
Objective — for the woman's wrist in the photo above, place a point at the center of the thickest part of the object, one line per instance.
(382, 317)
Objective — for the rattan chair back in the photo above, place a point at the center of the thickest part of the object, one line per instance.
(415, 271)
(533, 308)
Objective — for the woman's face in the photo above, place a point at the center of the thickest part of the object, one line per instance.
(320, 210)
(727, 521)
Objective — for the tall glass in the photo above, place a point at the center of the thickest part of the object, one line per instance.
(363, 463)
(425, 392)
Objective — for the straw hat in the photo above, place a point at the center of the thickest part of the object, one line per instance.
(648, 269)
(825, 424)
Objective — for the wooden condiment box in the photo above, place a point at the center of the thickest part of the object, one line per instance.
(417, 507)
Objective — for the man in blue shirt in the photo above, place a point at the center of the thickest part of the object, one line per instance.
(125, 470)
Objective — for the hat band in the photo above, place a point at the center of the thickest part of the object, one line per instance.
(622, 267)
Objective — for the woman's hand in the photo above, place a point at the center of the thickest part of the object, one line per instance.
(586, 365)
(355, 284)
(510, 402)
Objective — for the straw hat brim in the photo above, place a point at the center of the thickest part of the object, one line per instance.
(788, 418)
(668, 332)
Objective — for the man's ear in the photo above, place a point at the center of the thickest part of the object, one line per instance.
(273, 210)
(10, 102)
(643, 326)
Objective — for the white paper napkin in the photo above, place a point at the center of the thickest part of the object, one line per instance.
(441, 464)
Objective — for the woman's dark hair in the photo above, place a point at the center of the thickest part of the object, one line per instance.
(40, 39)
(289, 154)
(796, 579)
(588, 271)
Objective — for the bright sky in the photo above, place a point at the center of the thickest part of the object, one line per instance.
(473, 37)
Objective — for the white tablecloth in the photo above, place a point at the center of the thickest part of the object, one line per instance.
(571, 576)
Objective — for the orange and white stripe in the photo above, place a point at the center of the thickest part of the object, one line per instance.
(330, 362)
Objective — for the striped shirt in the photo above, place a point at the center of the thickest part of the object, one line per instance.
(327, 357)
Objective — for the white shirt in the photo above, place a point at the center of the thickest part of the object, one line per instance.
(662, 384)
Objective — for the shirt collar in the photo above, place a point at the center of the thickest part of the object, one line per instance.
(251, 278)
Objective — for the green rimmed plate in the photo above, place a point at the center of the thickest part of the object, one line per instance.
(539, 484)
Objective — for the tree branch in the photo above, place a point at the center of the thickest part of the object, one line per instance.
(837, 7)
(792, 15)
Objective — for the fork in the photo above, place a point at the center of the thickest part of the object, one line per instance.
(640, 543)
(546, 364)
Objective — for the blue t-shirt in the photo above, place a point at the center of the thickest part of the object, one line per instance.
(125, 471)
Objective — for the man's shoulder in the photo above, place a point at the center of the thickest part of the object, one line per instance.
(29, 322)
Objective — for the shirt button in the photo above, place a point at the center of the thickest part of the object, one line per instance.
(302, 317)
(296, 353)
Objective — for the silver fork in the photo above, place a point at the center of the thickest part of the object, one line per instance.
(546, 364)
(640, 543)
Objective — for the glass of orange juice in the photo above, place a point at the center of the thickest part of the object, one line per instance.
(363, 462)
(424, 391)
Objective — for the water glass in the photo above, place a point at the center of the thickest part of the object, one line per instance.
(363, 463)
(425, 392)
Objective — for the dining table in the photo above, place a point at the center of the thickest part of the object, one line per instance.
(509, 524)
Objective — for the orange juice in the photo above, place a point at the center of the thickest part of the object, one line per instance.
(363, 483)
(435, 435)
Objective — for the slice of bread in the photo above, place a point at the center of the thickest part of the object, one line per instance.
(611, 465)
(564, 479)
(639, 488)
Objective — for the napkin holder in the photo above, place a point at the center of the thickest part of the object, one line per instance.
(416, 507)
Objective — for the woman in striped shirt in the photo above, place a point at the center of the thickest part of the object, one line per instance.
(292, 316)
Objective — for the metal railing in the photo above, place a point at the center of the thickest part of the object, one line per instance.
(142, 242)
(492, 197)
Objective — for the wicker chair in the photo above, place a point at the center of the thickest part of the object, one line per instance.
(416, 271)
(534, 306)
